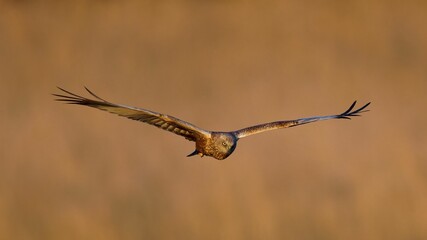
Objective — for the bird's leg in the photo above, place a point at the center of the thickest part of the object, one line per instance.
(201, 154)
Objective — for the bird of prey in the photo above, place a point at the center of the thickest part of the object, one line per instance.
(214, 144)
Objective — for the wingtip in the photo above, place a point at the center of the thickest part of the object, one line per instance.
(60, 88)
(350, 108)
(93, 94)
(354, 113)
(369, 103)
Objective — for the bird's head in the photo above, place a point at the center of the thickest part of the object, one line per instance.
(225, 143)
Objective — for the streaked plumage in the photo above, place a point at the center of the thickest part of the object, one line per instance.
(214, 144)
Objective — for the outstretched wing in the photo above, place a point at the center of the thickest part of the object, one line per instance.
(163, 121)
(292, 123)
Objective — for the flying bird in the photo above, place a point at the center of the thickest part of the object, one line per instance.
(214, 144)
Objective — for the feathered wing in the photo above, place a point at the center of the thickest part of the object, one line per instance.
(292, 123)
(163, 121)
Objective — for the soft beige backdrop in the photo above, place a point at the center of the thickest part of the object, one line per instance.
(69, 172)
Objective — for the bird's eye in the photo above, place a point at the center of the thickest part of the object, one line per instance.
(224, 144)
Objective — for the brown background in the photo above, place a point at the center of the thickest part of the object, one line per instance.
(69, 172)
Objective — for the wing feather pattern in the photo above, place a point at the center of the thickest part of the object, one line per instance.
(163, 121)
(292, 123)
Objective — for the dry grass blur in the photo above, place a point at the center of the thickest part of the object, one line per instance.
(69, 172)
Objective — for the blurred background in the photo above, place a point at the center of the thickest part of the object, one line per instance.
(70, 172)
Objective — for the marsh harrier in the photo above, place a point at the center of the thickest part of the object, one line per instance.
(208, 143)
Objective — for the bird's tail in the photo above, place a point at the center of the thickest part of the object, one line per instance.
(193, 153)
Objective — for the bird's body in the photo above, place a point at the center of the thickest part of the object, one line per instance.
(218, 145)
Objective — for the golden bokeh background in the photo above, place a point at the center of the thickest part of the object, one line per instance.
(69, 172)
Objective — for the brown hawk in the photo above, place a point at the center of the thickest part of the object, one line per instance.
(214, 144)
